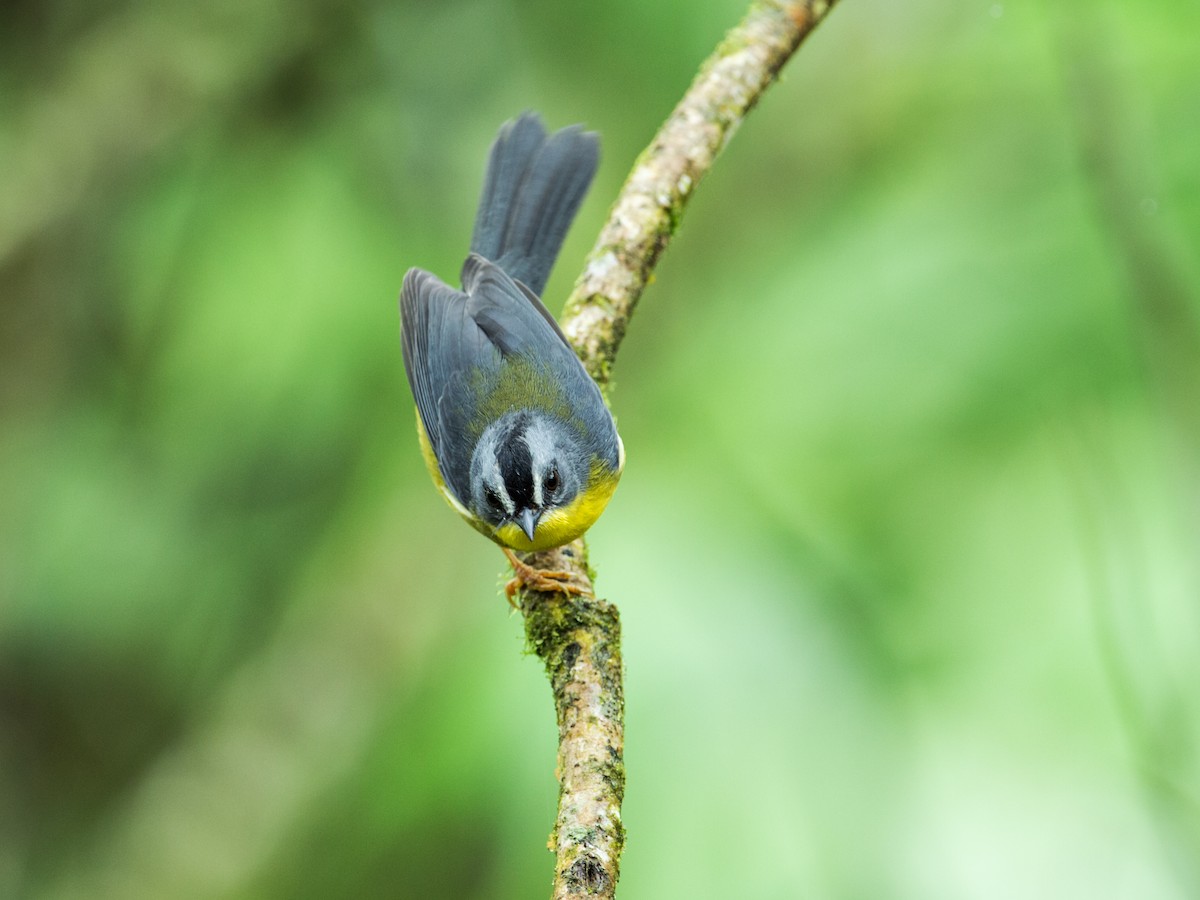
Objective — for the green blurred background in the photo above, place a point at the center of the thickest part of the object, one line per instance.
(906, 549)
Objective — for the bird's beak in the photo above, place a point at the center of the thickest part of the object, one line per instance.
(528, 520)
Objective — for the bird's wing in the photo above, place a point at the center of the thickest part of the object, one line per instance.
(510, 313)
(443, 348)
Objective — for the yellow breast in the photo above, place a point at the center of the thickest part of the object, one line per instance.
(562, 525)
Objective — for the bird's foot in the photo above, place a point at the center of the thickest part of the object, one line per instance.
(544, 580)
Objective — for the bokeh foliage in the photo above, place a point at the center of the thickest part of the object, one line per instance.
(906, 547)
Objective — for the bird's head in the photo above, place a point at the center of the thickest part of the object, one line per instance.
(528, 469)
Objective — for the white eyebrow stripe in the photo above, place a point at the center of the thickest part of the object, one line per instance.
(537, 480)
(540, 441)
(495, 481)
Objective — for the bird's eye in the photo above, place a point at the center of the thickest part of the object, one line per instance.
(492, 498)
(552, 480)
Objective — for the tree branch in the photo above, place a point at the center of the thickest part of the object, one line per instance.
(650, 205)
(579, 638)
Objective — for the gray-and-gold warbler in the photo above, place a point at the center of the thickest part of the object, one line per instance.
(514, 431)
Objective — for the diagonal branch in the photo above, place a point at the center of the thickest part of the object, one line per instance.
(579, 638)
(651, 203)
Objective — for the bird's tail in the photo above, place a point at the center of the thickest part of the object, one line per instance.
(533, 188)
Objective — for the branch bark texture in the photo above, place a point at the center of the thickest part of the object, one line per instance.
(579, 637)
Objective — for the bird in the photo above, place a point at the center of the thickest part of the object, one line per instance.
(514, 431)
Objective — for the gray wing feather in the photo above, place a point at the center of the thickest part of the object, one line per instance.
(506, 308)
(442, 345)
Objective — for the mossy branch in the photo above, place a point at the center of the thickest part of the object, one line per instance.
(579, 638)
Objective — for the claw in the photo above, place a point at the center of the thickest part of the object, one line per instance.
(544, 580)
